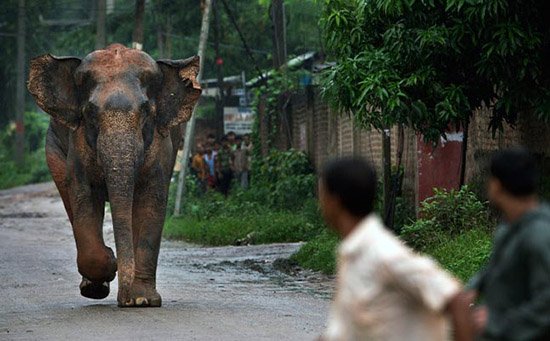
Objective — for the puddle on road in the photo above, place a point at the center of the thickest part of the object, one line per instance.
(279, 275)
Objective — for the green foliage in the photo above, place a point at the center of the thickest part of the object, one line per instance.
(465, 254)
(272, 95)
(319, 254)
(426, 64)
(284, 179)
(215, 220)
(446, 214)
(278, 207)
(34, 168)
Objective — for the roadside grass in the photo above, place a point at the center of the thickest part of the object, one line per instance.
(462, 255)
(319, 254)
(465, 254)
(220, 222)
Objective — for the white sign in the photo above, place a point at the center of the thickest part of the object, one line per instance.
(238, 120)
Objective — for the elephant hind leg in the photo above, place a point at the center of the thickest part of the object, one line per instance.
(57, 163)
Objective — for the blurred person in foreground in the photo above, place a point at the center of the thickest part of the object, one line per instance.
(515, 286)
(384, 290)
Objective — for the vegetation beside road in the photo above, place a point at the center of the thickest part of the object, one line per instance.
(34, 168)
(280, 206)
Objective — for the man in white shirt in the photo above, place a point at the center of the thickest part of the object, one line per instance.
(384, 291)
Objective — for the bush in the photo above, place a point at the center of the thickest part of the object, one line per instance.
(319, 254)
(446, 214)
(283, 179)
(34, 168)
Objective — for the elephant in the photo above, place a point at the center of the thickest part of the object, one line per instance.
(117, 119)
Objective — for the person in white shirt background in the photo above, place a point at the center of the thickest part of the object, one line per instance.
(384, 290)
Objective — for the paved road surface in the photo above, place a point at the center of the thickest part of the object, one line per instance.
(229, 293)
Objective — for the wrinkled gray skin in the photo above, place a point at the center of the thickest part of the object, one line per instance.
(116, 124)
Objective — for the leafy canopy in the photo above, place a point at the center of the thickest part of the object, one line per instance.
(428, 63)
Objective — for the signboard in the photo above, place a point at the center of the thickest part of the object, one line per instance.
(238, 120)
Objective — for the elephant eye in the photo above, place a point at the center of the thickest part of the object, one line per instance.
(145, 107)
(90, 109)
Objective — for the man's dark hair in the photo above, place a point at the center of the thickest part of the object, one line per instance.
(353, 181)
(516, 170)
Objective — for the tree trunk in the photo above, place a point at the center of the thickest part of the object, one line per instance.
(168, 38)
(396, 181)
(190, 127)
(386, 160)
(279, 33)
(464, 152)
(160, 41)
(100, 39)
(20, 90)
(219, 67)
(137, 36)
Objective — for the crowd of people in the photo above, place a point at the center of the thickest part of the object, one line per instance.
(220, 161)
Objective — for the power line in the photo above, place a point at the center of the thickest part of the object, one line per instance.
(179, 36)
(247, 48)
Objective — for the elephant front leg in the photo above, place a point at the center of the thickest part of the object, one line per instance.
(96, 262)
(148, 219)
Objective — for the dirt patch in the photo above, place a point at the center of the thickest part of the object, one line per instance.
(23, 215)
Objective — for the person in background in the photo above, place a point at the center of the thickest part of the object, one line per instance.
(515, 285)
(210, 161)
(200, 168)
(210, 139)
(384, 290)
(224, 167)
(217, 146)
(232, 139)
(240, 164)
(247, 145)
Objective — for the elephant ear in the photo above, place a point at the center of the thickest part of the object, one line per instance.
(52, 84)
(180, 91)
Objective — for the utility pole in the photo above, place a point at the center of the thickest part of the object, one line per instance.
(137, 36)
(219, 65)
(279, 32)
(100, 40)
(20, 89)
(190, 128)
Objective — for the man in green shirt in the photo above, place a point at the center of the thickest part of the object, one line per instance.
(515, 285)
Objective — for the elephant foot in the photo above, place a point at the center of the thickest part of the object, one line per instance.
(94, 290)
(140, 295)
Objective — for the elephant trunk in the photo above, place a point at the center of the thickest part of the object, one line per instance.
(119, 155)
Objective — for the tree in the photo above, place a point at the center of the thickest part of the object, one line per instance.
(426, 64)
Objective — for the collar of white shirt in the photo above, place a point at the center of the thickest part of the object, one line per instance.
(370, 225)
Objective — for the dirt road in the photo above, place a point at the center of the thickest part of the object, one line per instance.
(229, 293)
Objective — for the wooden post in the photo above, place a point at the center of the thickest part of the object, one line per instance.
(190, 127)
(20, 87)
